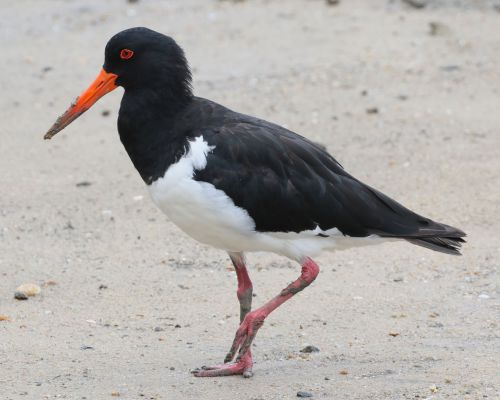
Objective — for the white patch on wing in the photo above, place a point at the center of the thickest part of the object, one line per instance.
(210, 216)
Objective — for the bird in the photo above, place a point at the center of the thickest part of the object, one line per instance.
(239, 183)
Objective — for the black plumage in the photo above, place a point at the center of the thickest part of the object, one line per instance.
(285, 182)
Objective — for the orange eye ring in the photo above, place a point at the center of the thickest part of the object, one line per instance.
(125, 54)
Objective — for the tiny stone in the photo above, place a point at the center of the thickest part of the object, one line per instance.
(85, 347)
(20, 295)
(83, 184)
(437, 28)
(310, 349)
(450, 68)
(101, 287)
(372, 110)
(29, 289)
(159, 329)
(333, 2)
(302, 393)
(343, 372)
(105, 113)
(177, 326)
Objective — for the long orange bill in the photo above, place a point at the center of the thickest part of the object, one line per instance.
(104, 83)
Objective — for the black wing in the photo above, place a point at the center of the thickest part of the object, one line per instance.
(290, 184)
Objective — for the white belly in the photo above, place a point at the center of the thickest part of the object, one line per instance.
(208, 215)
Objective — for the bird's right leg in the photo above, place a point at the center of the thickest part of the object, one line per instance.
(245, 288)
(242, 366)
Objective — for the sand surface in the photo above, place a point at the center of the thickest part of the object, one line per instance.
(408, 100)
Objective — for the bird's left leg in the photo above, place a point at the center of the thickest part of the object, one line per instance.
(255, 319)
(245, 289)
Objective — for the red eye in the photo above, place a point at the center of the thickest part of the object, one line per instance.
(125, 54)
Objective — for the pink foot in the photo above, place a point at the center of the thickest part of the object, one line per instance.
(246, 334)
(242, 366)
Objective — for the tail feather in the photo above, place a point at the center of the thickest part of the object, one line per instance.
(448, 245)
(435, 236)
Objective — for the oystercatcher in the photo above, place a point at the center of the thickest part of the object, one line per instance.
(240, 183)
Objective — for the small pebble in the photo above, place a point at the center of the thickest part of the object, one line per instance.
(4, 318)
(83, 184)
(85, 347)
(450, 68)
(372, 110)
(393, 334)
(29, 289)
(343, 372)
(105, 113)
(115, 394)
(302, 393)
(159, 329)
(310, 349)
(437, 28)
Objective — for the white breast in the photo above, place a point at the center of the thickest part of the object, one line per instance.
(198, 208)
(210, 216)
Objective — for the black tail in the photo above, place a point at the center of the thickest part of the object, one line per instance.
(448, 245)
(439, 237)
(403, 223)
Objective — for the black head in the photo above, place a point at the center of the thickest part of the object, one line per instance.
(140, 60)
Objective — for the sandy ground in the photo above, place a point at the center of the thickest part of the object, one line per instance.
(135, 303)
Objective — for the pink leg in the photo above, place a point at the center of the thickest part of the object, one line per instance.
(245, 287)
(255, 319)
(244, 365)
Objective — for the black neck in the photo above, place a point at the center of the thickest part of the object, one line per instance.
(146, 124)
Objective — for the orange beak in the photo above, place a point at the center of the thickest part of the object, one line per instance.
(104, 83)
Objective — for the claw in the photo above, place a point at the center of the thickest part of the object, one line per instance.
(241, 367)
